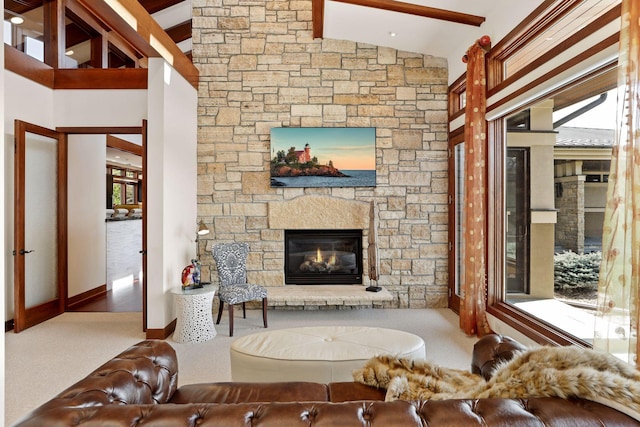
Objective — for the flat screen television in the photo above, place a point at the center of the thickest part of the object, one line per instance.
(323, 157)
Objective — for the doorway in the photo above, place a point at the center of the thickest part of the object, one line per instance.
(128, 292)
(41, 273)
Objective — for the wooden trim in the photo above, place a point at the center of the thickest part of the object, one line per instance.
(495, 186)
(145, 222)
(534, 328)
(28, 67)
(40, 313)
(63, 223)
(84, 78)
(161, 334)
(424, 11)
(86, 297)
(457, 133)
(51, 33)
(18, 238)
(561, 47)
(455, 137)
(180, 32)
(95, 78)
(457, 114)
(537, 21)
(317, 14)
(100, 130)
(121, 144)
(609, 41)
(455, 89)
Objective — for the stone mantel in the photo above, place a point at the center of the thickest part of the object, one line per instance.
(318, 212)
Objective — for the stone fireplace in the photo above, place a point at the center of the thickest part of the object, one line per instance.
(260, 67)
(323, 257)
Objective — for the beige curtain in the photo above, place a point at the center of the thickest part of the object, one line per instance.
(474, 286)
(617, 315)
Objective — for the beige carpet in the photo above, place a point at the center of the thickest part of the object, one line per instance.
(44, 360)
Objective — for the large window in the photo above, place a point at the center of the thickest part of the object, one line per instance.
(556, 167)
(548, 162)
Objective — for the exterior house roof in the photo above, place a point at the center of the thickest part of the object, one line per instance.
(570, 137)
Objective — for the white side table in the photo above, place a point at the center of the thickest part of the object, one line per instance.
(193, 310)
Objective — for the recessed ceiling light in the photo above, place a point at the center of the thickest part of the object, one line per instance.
(17, 20)
(69, 52)
(117, 157)
(392, 33)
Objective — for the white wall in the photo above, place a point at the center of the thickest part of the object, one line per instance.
(171, 180)
(100, 107)
(19, 97)
(86, 201)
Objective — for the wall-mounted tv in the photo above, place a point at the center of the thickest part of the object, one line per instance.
(323, 157)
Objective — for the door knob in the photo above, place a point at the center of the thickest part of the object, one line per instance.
(23, 252)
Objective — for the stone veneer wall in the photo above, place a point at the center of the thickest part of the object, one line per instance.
(260, 68)
(569, 229)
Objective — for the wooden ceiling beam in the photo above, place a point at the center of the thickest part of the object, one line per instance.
(154, 6)
(414, 9)
(180, 32)
(317, 16)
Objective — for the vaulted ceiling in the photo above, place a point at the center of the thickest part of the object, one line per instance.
(442, 28)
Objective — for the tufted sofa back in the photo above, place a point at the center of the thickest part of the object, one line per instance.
(138, 388)
(146, 373)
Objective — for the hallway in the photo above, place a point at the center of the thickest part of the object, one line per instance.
(122, 298)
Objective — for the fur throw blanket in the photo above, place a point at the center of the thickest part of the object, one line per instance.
(543, 372)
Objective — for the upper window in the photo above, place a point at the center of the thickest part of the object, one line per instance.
(24, 27)
(28, 28)
(556, 32)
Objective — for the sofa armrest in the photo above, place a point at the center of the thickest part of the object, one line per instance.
(492, 350)
(146, 373)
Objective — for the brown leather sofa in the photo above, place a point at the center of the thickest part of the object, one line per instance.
(139, 387)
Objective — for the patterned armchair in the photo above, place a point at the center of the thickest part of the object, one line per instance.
(231, 262)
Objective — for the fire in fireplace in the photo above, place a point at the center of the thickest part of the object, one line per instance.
(322, 257)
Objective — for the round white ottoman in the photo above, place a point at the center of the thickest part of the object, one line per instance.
(320, 354)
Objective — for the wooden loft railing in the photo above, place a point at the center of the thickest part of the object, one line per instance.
(128, 25)
(147, 36)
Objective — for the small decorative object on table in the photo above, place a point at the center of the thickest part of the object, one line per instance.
(191, 276)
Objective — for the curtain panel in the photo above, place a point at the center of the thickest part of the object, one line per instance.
(474, 286)
(617, 315)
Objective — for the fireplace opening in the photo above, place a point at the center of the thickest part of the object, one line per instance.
(322, 257)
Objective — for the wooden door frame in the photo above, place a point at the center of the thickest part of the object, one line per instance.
(456, 137)
(26, 317)
(139, 130)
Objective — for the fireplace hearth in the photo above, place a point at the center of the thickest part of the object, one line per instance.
(323, 257)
